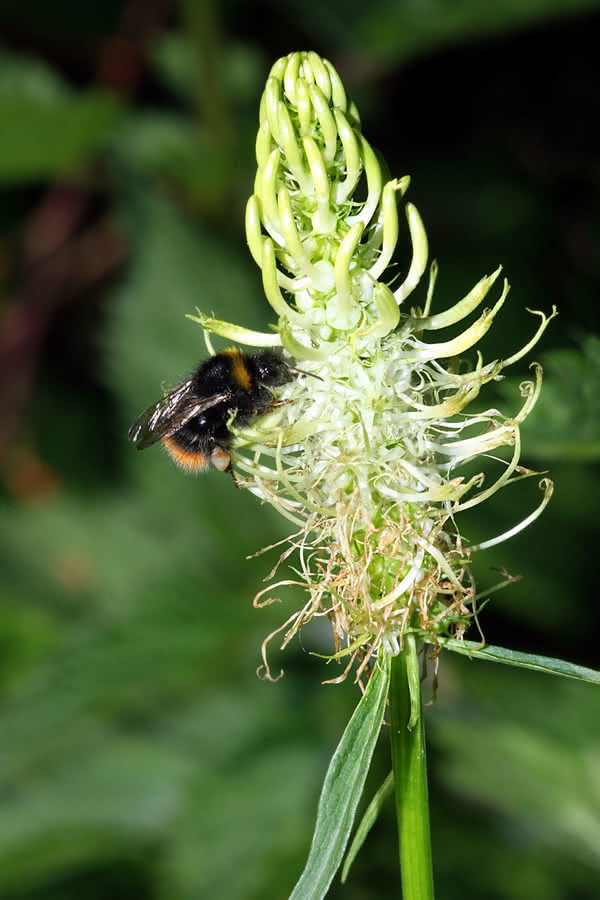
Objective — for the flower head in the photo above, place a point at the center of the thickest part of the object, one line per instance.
(365, 458)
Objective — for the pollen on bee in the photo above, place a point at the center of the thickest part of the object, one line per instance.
(220, 459)
(189, 461)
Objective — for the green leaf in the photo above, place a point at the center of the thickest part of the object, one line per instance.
(393, 30)
(242, 68)
(29, 78)
(170, 144)
(172, 58)
(386, 30)
(524, 660)
(47, 128)
(526, 753)
(366, 823)
(343, 787)
(42, 137)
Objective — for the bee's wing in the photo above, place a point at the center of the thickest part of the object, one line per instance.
(170, 414)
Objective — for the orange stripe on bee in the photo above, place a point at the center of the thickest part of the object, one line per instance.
(191, 462)
(239, 370)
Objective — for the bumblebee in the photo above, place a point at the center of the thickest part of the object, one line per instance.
(191, 420)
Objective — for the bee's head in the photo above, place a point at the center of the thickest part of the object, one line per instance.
(271, 369)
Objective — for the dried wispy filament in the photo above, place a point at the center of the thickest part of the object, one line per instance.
(366, 460)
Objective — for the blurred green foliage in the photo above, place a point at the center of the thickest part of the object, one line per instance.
(47, 129)
(565, 424)
(140, 756)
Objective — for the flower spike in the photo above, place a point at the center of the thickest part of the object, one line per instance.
(365, 460)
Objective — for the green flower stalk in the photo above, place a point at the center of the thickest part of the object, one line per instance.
(365, 459)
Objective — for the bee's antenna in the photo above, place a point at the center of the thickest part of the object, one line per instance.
(303, 372)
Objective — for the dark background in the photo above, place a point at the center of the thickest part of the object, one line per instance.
(140, 755)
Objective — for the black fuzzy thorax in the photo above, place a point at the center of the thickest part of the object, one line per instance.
(249, 396)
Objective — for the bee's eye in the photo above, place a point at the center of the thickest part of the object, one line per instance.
(270, 371)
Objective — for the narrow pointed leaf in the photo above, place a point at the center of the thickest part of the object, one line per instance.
(343, 787)
(525, 660)
(366, 823)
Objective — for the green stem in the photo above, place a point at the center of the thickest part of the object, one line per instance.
(410, 775)
(202, 21)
